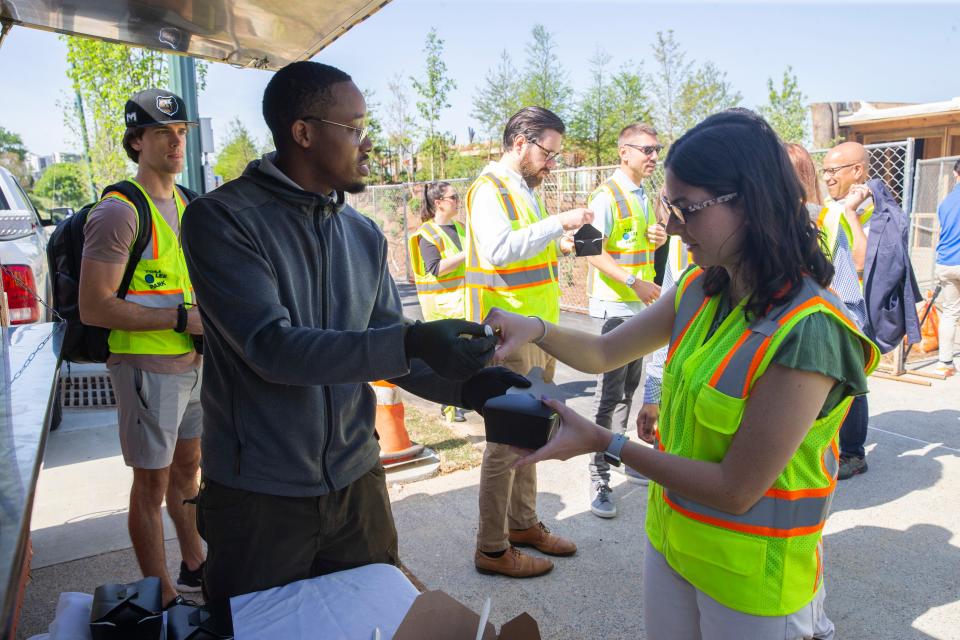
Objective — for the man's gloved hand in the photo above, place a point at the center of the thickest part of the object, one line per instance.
(440, 345)
(489, 383)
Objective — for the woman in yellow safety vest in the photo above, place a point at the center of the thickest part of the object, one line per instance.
(437, 259)
(763, 364)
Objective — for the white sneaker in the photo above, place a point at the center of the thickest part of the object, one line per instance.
(946, 369)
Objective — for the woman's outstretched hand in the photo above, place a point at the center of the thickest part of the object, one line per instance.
(512, 330)
(576, 436)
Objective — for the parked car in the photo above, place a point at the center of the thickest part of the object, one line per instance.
(23, 254)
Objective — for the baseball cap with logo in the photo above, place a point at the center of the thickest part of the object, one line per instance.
(154, 107)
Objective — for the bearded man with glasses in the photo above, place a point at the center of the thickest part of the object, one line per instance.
(512, 245)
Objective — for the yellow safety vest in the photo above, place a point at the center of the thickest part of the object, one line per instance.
(626, 243)
(440, 297)
(528, 287)
(767, 561)
(829, 221)
(160, 281)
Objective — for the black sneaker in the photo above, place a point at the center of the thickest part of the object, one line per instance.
(180, 600)
(851, 466)
(190, 581)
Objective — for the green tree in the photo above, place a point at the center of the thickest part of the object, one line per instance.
(685, 94)
(592, 126)
(433, 90)
(671, 74)
(237, 152)
(380, 153)
(611, 102)
(105, 75)
(546, 83)
(64, 184)
(498, 98)
(11, 142)
(706, 92)
(400, 130)
(785, 110)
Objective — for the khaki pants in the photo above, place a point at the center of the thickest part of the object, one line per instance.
(508, 498)
(949, 301)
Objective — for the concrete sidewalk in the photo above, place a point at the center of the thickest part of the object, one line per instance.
(892, 545)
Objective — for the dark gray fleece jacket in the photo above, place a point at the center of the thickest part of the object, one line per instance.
(299, 313)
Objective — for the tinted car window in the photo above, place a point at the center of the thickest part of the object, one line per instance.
(19, 200)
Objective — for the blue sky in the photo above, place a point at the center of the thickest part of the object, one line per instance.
(879, 51)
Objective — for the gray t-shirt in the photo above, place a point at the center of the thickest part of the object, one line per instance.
(108, 237)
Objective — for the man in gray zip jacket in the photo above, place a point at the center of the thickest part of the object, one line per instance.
(299, 313)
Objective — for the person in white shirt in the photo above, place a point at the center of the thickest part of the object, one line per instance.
(511, 264)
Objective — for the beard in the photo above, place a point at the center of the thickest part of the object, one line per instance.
(532, 175)
(355, 187)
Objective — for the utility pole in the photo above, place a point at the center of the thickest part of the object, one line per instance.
(183, 82)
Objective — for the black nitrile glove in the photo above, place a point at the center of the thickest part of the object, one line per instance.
(489, 383)
(440, 345)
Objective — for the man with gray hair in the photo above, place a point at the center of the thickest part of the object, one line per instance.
(621, 283)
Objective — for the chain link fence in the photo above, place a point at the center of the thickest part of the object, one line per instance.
(396, 209)
(934, 180)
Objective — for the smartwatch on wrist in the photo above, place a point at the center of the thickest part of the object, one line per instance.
(612, 454)
(631, 279)
(181, 319)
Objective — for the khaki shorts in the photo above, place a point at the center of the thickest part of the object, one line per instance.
(154, 410)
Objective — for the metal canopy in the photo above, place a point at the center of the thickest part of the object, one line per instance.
(265, 34)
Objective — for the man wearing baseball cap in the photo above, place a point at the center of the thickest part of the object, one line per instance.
(153, 362)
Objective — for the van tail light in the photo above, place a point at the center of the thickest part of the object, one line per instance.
(19, 285)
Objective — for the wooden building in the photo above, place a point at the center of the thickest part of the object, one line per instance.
(934, 125)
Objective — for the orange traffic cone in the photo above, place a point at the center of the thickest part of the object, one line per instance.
(395, 444)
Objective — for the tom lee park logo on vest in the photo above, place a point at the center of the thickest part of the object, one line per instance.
(155, 279)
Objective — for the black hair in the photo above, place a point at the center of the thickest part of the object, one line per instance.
(431, 191)
(298, 89)
(956, 166)
(131, 134)
(737, 151)
(531, 122)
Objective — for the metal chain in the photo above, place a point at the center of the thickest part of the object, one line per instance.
(26, 363)
(24, 285)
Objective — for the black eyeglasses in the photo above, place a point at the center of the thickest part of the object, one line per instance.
(551, 155)
(681, 213)
(454, 196)
(832, 171)
(361, 132)
(646, 149)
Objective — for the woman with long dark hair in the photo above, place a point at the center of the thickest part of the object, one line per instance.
(437, 258)
(763, 364)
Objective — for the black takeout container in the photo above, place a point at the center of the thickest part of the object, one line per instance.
(519, 420)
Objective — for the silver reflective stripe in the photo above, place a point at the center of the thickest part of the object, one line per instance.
(690, 303)
(620, 198)
(505, 193)
(155, 300)
(435, 287)
(830, 462)
(770, 513)
(733, 380)
(510, 280)
(476, 313)
(631, 259)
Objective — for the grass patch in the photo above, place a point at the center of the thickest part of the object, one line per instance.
(455, 451)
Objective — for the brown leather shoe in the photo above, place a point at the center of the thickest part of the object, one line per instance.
(540, 538)
(512, 564)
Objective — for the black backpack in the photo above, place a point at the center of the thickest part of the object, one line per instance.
(84, 343)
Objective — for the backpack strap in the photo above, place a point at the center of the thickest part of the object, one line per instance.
(134, 196)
